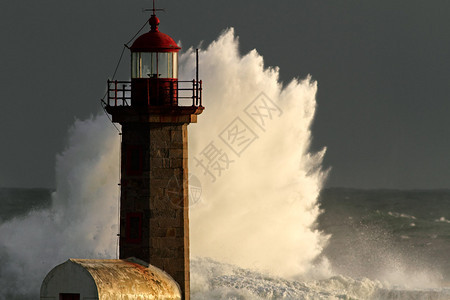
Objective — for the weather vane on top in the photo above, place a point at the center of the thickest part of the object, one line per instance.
(153, 10)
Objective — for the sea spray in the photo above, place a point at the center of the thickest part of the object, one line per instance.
(82, 222)
(258, 205)
(259, 212)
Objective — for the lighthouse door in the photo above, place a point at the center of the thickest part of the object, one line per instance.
(69, 296)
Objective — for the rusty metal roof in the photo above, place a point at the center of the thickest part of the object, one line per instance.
(129, 279)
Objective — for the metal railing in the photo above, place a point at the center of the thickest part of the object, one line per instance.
(119, 92)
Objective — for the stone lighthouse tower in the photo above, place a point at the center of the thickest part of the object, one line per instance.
(154, 109)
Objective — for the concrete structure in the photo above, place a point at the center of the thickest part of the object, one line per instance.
(154, 204)
(107, 279)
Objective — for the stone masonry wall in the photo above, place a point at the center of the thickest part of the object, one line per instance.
(154, 218)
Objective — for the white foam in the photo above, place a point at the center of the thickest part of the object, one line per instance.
(261, 211)
(214, 280)
(442, 219)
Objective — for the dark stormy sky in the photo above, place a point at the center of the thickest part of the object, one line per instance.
(383, 69)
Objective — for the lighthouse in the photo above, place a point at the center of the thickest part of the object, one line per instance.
(154, 110)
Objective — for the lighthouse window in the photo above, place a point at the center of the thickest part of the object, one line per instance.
(149, 65)
(169, 65)
(133, 160)
(154, 65)
(175, 65)
(144, 65)
(134, 65)
(163, 65)
(134, 227)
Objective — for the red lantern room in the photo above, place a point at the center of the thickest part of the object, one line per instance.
(154, 86)
(154, 68)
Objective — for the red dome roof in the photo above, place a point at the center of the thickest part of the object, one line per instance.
(154, 41)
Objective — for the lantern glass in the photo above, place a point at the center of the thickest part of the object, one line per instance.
(175, 64)
(154, 65)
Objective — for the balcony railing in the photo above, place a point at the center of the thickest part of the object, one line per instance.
(185, 93)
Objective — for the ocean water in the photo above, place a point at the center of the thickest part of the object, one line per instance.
(402, 237)
(384, 244)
